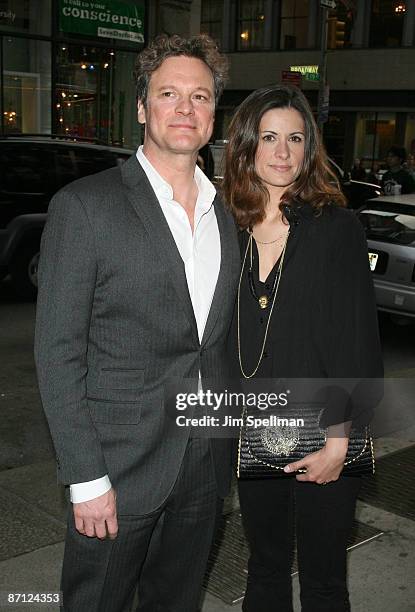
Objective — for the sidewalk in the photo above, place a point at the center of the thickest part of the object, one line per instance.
(32, 510)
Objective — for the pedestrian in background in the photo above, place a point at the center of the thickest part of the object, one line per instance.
(397, 179)
(357, 172)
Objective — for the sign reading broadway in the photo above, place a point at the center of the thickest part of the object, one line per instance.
(119, 19)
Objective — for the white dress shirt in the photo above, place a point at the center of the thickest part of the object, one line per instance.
(200, 251)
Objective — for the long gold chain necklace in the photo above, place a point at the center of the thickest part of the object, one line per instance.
(279, 271)
(280, 239)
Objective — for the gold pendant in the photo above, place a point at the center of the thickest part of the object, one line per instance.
(263, 301)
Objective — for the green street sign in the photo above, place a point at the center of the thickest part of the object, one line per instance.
(312, 76)
(120, 19)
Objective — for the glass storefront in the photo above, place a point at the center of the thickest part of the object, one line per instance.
(94, 95)
(334, 137)
(375, 133)
(26, 85)
(87, 90)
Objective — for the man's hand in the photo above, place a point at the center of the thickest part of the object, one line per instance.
(97, 517)
(323, 466)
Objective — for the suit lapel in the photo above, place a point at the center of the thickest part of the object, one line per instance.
(224, 278)
(142, 197)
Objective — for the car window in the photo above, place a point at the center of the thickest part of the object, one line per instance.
(65, 165)
(389, 223)
(89, 161)
(26, 168)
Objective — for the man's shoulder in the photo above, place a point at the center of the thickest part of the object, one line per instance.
(102, 187)
(100, 194)
(94, 185)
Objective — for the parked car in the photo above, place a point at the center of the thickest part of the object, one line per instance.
(356, 192)
(389, 222)
(31, 171)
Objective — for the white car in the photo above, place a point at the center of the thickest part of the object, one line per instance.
(389, 222)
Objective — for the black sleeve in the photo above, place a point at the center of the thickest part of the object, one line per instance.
(354, 353)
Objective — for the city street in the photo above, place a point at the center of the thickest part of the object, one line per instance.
(24, 437)
(33, 507)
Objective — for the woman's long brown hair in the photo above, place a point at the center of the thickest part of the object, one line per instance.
(243, 190)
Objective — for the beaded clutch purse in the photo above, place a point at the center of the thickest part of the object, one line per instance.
(267, 444)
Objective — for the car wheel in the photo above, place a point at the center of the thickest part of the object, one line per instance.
(24, 271)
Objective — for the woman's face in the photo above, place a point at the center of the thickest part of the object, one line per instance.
(280, 152)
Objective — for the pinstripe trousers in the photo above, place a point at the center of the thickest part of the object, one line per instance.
(165, 553)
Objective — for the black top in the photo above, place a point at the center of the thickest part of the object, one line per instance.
(399, 177)
(324, 323)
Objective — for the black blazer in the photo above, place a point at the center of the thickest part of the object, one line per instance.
(324, 323)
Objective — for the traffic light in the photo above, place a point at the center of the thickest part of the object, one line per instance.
(335, 33)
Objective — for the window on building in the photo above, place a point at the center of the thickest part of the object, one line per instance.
(294, 24)
(25, 16)
(386, 24)
(340, 26)
(375, 133)
(94, 96)
(26, 86)
(251, 25)
(212, 18)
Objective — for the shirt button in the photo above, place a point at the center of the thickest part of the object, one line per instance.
(265, 355)
(261, 320)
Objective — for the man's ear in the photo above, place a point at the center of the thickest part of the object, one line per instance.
(141, 112)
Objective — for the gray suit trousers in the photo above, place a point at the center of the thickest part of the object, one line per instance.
(164, 552)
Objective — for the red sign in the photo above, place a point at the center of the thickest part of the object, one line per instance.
(291, 78)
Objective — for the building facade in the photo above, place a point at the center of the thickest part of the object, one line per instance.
(67, 68)
(67, 65)
(370, 64)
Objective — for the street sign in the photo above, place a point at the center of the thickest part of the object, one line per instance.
(291, 78)
(331, 4)
(312, 76)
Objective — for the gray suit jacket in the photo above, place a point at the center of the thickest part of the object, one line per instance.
(114, 324)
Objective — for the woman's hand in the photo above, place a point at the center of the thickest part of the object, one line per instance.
(323, 466)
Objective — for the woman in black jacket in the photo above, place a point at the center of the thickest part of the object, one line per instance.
(305, 309)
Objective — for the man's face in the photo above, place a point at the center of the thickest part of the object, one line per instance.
(393, 161)
(180, 107)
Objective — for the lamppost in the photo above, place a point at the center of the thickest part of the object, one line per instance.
(323, 92)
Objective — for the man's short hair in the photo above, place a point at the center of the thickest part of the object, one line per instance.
(398, 152)
(162, 47)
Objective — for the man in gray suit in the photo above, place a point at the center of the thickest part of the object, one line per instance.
(137, 279)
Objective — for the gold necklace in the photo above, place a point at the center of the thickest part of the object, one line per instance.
(279, 271)
(278, 239)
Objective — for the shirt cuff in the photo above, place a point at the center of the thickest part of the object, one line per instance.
(85, 491)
